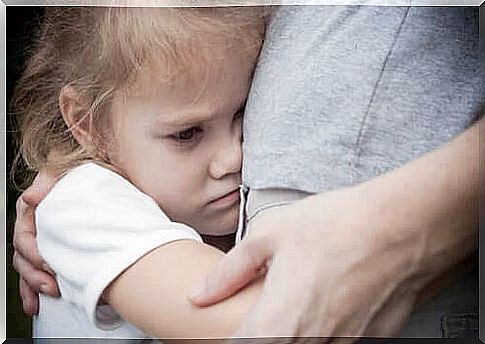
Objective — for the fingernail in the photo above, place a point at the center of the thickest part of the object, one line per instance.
(44, 289)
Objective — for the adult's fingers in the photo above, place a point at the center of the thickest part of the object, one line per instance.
(37, 280)
(240, 266)
(271, 318)
(297, 319)
(30, 299)
(42, 184)
(24, 235)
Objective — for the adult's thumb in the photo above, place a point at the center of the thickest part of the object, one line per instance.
(240, 266)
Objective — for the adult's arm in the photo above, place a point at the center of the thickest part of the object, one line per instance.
(353, 262)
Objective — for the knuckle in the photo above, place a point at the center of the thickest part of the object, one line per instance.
(38, 262)
(19, 204)
(15, 261)
(17, 238)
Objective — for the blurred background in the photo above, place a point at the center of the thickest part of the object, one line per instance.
(21, 23)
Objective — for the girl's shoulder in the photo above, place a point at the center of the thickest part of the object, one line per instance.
(91, 184)
(90, 174)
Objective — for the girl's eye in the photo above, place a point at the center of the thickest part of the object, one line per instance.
(187, 135)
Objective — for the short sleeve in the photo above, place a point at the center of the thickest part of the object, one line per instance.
(91, 227)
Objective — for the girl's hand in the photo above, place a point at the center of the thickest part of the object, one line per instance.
(35, 276)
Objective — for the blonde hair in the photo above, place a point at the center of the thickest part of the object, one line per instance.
(98, 50)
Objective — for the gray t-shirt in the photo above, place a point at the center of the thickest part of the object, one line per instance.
(345, 93)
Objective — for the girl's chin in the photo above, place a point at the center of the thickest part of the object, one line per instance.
(225, 225)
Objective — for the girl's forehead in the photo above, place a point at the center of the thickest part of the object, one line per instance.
(191, 78)
(168, 61)
(210, 91)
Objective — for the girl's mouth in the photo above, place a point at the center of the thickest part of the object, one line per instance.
(226, 200)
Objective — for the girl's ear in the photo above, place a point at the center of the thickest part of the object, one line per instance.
(75, 112)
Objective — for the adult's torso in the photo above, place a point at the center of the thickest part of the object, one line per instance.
(342, 94)
(345, 93)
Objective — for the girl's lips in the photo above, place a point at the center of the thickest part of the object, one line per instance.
(228, 199)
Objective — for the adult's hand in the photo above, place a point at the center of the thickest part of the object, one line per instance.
(35, 276)
(353, 262)
(329, 274)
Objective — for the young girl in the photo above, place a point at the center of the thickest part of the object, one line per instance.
(139, 110)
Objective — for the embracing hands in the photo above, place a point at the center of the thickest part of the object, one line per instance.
(345, 263)
(35, 276)
(356, 261)
(332, 270)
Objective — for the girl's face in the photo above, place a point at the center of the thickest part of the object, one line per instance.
(180, 143)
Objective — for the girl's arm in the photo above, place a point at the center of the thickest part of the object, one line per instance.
(123, 248)
(152, 294)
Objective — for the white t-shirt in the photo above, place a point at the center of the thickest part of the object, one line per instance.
(91, 227)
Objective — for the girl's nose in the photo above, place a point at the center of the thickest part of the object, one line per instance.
(227, 159)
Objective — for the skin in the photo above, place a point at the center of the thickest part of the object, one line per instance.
(160, 306)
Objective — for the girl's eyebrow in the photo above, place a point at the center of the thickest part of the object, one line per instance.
(188, 118)
(182, 119)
